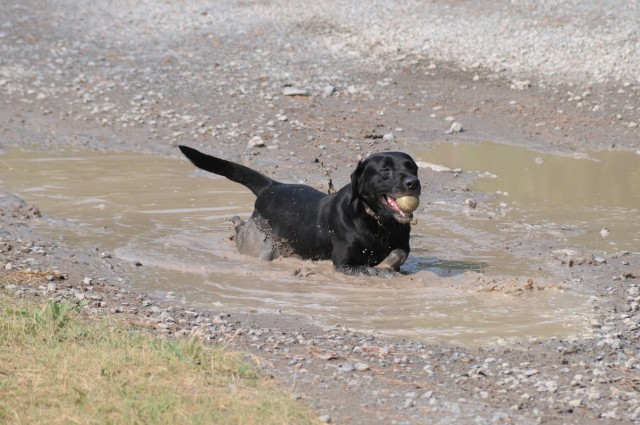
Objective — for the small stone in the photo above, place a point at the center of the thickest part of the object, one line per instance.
(293, 91)
(612, 414)
(455, 128)
(575, 403)
(256, 141)
(471, 203)
(389, 137)
(551, 386)
(346, 367)
(328, 90)
(361, 367)
(324, 419)
(427, 395)
(408, 403)
(87, 281)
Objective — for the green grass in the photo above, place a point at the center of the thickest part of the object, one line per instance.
(59, 368)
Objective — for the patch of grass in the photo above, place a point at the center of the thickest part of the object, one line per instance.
(58, 368)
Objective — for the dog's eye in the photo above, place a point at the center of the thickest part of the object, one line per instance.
(386, 172)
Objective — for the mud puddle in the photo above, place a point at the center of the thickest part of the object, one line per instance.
(173, 220)
(595, 195)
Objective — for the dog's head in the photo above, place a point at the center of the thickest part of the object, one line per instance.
(381, 179)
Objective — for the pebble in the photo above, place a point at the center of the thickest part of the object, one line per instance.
(389, 137)
(293, 91)
(324, 419)
(346, 367)
(472, 203)
(361, 367)
(256, 141)
(328, 91)
(455, 128)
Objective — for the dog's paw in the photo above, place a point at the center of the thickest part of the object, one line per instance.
(367, 271)
(386, 273)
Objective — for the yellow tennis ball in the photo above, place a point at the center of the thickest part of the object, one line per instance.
(408, 204)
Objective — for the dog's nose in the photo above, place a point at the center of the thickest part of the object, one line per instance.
(412, 183)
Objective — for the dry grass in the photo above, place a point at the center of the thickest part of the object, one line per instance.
(58, 368)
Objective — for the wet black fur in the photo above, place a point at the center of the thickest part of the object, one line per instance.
(297, 220)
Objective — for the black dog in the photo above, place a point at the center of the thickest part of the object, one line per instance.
(359, 227)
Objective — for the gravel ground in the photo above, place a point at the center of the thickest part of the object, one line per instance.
(284, 83)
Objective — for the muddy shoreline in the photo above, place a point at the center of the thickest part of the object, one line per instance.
(73, 82)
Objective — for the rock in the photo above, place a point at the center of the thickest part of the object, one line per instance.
(346, 367)
(87, 281)
(324, 419)
(520, 84)
(575, 403)
(389, 137)
(551, 386)
(293, 91)
(361, 367)
(328, 90)
(455, 128)
(472, 203)
(256, 141)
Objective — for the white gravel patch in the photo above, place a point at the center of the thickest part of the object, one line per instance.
(554, 41)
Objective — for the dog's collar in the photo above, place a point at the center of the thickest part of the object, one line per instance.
(369, 211)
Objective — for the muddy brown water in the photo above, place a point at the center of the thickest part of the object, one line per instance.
(173, 219)
(597, 194)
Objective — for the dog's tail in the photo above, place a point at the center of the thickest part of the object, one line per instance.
(252, 179)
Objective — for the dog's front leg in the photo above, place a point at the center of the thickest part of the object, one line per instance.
(394, 260)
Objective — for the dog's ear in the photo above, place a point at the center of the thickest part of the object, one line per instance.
(356, 178)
